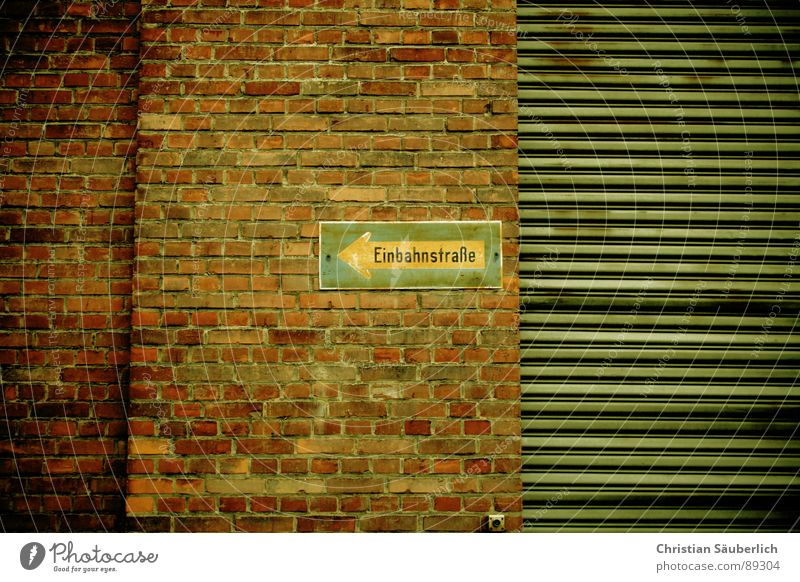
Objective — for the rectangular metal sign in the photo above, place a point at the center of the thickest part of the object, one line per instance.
(410, 255)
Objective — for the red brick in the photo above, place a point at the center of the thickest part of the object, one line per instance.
(447, 504)
(295, 336)
(272, 88)
(477, 427)
(418, 54)
(418, 427)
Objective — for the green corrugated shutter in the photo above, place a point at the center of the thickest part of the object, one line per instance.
(659, 169)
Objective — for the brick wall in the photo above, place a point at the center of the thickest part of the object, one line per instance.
(256, 401)
(67, 119)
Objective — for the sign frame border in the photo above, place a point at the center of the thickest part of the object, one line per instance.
(499, 224)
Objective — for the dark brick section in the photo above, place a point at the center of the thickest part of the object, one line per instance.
(68, 121)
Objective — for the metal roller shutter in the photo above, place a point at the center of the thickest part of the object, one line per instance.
(659, 175)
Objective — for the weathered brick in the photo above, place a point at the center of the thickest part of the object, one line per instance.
(417, 54)
(272, 88)
(254, 125)
(388, 523)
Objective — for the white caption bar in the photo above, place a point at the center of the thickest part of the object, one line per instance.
(400, 557)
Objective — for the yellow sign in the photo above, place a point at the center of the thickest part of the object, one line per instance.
(410, 255)
(365, 256)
